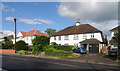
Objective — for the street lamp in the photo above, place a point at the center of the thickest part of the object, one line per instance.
(15, 28)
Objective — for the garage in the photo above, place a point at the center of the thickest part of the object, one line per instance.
(91, 45)
(93, 48)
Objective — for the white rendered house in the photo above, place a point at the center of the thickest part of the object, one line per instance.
(29, 36)
(79, 35)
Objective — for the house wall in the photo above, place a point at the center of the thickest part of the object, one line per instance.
(27, 39)
(72, 41)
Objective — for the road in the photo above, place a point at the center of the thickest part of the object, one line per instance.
(22, 62)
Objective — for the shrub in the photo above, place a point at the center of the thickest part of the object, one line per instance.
(21, 45)
(21, 52)
(61, 47)
(7, 43)
(57, 53)
(37, 49)
(39, 43)
(54, 43)
(41, 40)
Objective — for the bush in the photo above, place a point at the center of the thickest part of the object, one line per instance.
(54, 43)
(61, 47)
(57, 53)
(37, 49)
(41, 40)
(21, 45)
(21, 52)
(39, 43)
(7, 43)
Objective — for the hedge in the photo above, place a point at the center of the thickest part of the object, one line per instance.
(57, 53)
(61, 47)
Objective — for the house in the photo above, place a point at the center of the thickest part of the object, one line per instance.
(28, 36)
(113, 43)
(81, 35)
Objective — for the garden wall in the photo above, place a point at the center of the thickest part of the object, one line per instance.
(10, 51)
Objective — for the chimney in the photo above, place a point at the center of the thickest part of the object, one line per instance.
(77, 23)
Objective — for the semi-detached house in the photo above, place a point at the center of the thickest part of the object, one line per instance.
(81, 35)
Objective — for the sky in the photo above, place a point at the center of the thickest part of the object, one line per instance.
(58, 15)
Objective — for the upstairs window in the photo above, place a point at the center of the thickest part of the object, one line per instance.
(75, 37)
(59, 37)
(55, 38)
(66, 37)
(92, 35)
(84, 36)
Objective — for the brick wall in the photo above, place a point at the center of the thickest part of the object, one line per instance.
(11, 51)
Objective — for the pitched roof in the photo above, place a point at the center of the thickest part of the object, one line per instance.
(81, 29)
(115, 28)
(33, 32)
(90, 41)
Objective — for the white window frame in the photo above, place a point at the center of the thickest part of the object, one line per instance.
(76, 37)
(84, 36)
(54, 37)
(59, 37)
(66, 37)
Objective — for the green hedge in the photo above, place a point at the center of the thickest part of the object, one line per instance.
(58, 53)
(61, 47)
(21, 52)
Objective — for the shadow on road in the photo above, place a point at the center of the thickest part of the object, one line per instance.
(112, 57)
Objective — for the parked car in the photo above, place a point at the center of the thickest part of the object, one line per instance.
(113, 51)
(79, 50)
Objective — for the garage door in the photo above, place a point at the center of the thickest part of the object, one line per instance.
(94, 48)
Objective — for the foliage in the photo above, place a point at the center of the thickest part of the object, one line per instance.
(61, 47)
(57, 53)
(39, 43)
(21, 45)
(41, 40)
(50, 31)
(37, 49)
(21, 52)
(117, 38)
(54, 43)
(7, 43)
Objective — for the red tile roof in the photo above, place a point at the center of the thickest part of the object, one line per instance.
(81, 29)
(34, 32)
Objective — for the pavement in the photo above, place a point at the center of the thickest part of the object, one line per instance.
(31, 62)
(85, 58)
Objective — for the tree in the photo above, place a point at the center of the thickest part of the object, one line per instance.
(39, 43)
(7, 43)
(21, 45)
(117, 38)
(50, 31)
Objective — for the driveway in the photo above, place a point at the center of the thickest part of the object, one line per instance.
(96, 59)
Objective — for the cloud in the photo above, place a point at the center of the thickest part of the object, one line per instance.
(44, 21)
(6, 33)
(103, 14)
(6, 8)
(9, 18)
(30, 21)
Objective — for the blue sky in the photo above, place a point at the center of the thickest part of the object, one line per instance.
(59, 15)
(33, 10)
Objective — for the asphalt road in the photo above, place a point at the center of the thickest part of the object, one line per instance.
(22, 62)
